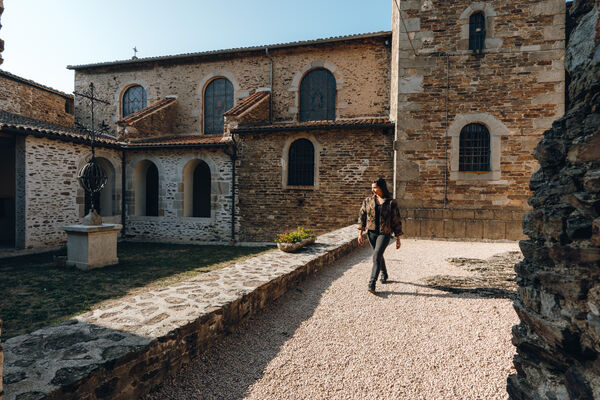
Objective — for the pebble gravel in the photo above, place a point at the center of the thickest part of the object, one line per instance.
(331, 339)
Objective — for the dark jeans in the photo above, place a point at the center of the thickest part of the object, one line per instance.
(379, 243)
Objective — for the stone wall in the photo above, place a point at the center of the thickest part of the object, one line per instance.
(30, 99)
(515, 88)
(360, 66)
(1, 352)
(347, 162)
(558, 339)
(51, 195)
(1, 47)
(171, 224)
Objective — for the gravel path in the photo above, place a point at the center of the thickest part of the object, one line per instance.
(331, 339)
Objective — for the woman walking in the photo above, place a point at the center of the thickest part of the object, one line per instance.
(380, 216)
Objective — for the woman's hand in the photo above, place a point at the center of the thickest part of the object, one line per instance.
(360, 239)
(398, 244)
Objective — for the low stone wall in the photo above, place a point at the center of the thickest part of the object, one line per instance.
(463, 224)
(125, 347)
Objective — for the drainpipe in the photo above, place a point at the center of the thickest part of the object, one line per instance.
(271, 86)
(446, 133)
(123, 191)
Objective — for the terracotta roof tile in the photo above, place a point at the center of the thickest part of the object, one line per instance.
(33, 126)
(311, 125)
(247, 103)
(181, 141)
(212, 53)
(156, 106)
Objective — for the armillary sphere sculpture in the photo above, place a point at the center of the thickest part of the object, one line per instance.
(92, 176)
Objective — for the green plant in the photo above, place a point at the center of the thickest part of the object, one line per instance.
(294, 236)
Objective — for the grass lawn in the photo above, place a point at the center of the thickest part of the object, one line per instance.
(36, 293)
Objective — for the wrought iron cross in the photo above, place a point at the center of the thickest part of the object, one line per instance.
(90, 96)
(135, 51)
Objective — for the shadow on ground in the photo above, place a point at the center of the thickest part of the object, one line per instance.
(36, 292)
(234, 363)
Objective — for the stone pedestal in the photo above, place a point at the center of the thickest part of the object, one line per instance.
(92, 246)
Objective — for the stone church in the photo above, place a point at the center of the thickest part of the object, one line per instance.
(238, 145)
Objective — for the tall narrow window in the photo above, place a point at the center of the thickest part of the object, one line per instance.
(301, 171)
(201, 184)
(218, 98)
(477, 32)
(317, 96)
(134, 99)
(152, 190)
(474, 151)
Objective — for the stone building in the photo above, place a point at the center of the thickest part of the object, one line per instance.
(474, 85)
(242, 144)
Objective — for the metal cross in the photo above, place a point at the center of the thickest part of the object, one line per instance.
(135, 51)
(90, 96)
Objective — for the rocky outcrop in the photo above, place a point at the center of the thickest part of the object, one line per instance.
(558, 339)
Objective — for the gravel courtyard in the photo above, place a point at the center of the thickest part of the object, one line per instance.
(331, 339)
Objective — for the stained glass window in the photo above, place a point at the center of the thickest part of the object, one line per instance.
(134, 100)
(317, 96)
(218, 98)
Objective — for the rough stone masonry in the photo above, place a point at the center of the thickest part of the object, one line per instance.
(558, 339)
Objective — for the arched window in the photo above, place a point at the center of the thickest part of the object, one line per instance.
(317, 96)
(152, 190)
(201, 194)
(477, 32)
(474, 148)
(218, 98)
(134, 100)
(301, 161)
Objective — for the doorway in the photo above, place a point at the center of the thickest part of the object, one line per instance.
(7, 191)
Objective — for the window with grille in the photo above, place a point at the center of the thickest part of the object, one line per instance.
(218, 98)
(152, 191)
(134, 100)
(474, 152)
(301, 171)
(477, 32)
(201, 185)
(317, 96)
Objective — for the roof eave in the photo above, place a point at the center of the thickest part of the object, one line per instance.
(311, 127)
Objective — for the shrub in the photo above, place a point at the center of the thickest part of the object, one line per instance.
(294, 236)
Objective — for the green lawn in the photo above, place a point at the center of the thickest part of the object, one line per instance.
(36, 293)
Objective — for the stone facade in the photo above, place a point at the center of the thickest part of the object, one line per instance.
(32, 100)
(515, 87)
(1, 352)
(558, 338)
(50, 195)
(346, 162)
(1, 47)
(172, 224)
(360, 67)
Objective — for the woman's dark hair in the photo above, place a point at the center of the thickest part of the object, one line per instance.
(383, 186)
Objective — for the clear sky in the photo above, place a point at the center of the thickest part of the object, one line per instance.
(42, 37)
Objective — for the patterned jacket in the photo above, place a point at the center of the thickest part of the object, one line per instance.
(390, 220)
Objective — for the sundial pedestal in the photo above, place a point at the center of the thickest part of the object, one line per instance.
(92, 246)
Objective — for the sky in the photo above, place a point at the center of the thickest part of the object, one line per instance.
(42, 37)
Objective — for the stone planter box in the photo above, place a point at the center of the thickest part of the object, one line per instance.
(291, 247)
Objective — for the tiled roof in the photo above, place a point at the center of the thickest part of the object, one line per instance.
(158, 105)
(16, 78)
(234, 50)
(311, 125)
(180, 141)
(247, 103)
(46, 129)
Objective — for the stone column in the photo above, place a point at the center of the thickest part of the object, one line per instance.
(558, 339)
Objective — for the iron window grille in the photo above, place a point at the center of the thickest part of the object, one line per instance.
(301, 171)
(474, 153)
(218, 98)
(477, 32)
(317, 96)
(134, 100)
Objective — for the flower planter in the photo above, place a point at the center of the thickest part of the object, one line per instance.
(291, 247)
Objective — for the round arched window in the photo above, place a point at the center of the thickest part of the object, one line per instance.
(218, 98)
(134, 100)
(317, 96)
(474, 151)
